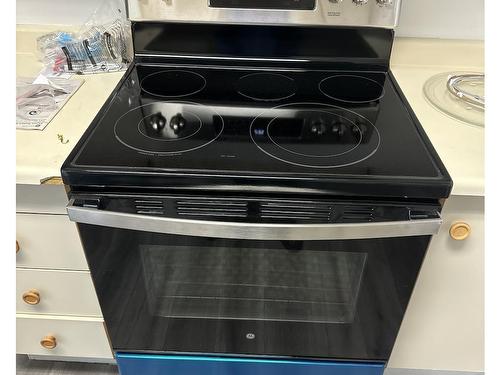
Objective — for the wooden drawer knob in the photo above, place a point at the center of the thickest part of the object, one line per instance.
(460, 231)
(17, 247)
(48, 342)
(32, 297)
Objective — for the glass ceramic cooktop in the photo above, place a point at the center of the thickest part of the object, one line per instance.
(228, 120)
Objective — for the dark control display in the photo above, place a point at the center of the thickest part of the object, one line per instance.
(265, 4)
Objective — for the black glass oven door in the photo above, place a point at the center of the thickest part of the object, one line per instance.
(227, 291)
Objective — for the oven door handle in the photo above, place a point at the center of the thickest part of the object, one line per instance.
(253, 231)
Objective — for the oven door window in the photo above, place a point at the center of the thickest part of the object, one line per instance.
(320, 299)
(276, 284)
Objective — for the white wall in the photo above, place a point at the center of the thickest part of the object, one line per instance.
(55, 12)
(458, 19)
(455, 19)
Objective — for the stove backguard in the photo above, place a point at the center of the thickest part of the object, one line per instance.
(350, 48)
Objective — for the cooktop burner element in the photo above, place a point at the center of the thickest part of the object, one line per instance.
(351, 88)
(315, 135)
(266, 86)
(164, 128)
(173, 83)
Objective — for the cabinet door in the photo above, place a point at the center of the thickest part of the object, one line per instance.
(73, 337)
(48, 241)
(443, 328)
(56, 293)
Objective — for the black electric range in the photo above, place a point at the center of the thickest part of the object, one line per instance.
(256, 196)
(259, 129)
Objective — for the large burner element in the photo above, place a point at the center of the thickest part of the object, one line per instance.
(351, 89)
(315, 135)
(190, 127)
(266, 86)
(173, 83)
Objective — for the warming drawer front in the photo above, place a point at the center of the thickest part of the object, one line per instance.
(133, 364)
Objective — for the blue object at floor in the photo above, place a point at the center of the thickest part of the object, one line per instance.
(135, 364)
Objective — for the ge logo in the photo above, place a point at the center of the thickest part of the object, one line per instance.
(33, 113)
(250, 336)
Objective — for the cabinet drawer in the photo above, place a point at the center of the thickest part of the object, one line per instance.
(45, 199)
(83, 337)
(56, 293)
(48, 241)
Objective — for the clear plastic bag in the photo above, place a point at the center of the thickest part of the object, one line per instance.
(103, 44)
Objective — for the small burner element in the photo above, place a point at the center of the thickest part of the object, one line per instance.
(351, 89)
(266, 86)
(173, 83)
(315, 135)
(190, 126)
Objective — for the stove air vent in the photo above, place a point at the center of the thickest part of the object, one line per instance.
(214, 208)
(149, 207)
(273, 211)
(317, 212)
(357, 214)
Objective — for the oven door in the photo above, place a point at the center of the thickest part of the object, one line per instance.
(253, 278)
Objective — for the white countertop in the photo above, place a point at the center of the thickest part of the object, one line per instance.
(40, 154)
(460, 146)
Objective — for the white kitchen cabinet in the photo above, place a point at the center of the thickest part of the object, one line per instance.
(41, 199)
(52, 273)
(48, 241)
(56, 292)
(443, 328)
(73, 337)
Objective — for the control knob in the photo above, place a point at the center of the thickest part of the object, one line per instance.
(360, 2)
(359, 130)
(177, 123)
(318, 127)
(338, 129)
(157, 122)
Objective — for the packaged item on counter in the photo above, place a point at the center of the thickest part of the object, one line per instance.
(103, 44)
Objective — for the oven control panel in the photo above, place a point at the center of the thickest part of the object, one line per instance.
(354, 13)
(264, 4)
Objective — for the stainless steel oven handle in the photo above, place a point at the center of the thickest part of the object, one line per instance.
(252, 231)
